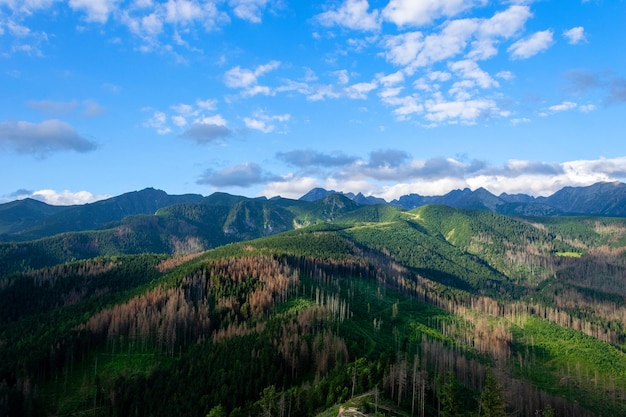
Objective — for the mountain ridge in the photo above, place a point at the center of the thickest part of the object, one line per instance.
(602, 199)
(24, 220)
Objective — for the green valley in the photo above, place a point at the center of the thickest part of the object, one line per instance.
(236, 307)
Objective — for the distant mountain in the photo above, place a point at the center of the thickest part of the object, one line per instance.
(603, 199)
(319, 193)
(175, 229)
(516, 198)
(23, 214)
(151, 220)
(40, 219)
(316, 194)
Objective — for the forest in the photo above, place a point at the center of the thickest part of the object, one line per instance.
(374, 310)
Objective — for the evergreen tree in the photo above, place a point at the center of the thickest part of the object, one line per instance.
(492, 402)
(448, 397)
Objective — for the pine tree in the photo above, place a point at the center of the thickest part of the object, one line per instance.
(492, 402)
(448, 397)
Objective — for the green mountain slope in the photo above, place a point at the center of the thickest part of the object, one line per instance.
(411, 311)
(55, 220)
(20, 215)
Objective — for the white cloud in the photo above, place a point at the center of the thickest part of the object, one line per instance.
(184, 109)
(414, 50)
(179, 121)
(247, 79)
(182, 11)
(424, 12)
(152, 24)
(17, 29)
(66, 197)
(502, 25)
(505, 75)
(505, 24)
(391, 79)
(403, 49)
(404, 106)
(564, 106)
(158, 121)
(217, 120)
(586, 108)
(532, 45)
(342, 76)
(390, 92)
(466, 111)
(27, 7)
(575, 35)
(265, 123)
(360, 90)
(208, 104)
(352, 14)
(290, 187)
(95, 10)
(438, 186)
(520, 120)
(468, 69)
(250, 10)
(439, 176)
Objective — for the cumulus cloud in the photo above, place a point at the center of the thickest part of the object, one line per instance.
(424, 12)
(352, 14)
(27, 6)
(247, 79)
(469, 69)
(465, 111)
(190, 120)
(59, 198)
(240, 175)
(532, 45)
(238, 77)
(264, 122)
(95, 10)
(506, 23)
(250, 10)
(564, 106)
(290, 186)
(360, 90)
(575, 35)
(43, 138)
(158, 121)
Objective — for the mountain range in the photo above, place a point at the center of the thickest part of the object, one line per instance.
(150, 304)
(600, 199)
(29, 219)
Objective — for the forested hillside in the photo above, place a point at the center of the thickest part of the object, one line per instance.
(428, 312)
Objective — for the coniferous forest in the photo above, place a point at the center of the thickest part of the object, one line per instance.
(329, 308)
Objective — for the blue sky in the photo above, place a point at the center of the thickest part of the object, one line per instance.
(275, 97)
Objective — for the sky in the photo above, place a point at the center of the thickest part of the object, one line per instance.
(276, 97)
